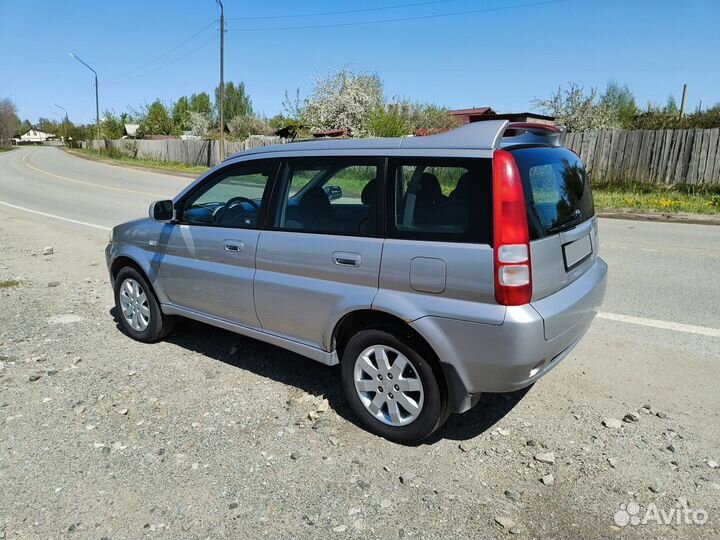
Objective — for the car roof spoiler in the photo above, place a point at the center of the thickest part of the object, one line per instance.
(491, 134)
(523, 133)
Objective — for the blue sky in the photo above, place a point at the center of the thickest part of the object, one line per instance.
(502, 58)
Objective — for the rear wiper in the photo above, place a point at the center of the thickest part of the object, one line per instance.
(565, 225)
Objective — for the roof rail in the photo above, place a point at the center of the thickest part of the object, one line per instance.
(518, 133)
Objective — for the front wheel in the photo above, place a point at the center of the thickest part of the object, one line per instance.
(393, 390)
(138, 309)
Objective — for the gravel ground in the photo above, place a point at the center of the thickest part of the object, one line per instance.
(212, 435)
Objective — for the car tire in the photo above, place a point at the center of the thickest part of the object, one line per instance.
(405, 402)
(138, 309)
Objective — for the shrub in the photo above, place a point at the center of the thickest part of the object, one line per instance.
(389, 122)
(427, 119)
(243, 126)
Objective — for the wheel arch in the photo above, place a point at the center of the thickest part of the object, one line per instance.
(365, 319)
(121, 262)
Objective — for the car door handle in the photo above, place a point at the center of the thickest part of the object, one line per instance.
(234, 246)
(342, 258)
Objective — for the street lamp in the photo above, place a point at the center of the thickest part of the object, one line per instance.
(97, 105)
(66, 119)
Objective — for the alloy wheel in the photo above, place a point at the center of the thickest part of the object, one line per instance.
(388, 385)
(134, 305)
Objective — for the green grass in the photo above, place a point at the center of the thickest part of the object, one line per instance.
(6, 148)
(121, 159)
(646, 197)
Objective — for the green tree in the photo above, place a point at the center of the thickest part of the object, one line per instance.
(48, 125)
(237, 102)
(112, 126)
(157, 120)
(24, 127)
(200, 103)
(621, 102)
(181, 115)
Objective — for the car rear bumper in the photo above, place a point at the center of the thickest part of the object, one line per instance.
(480, 358)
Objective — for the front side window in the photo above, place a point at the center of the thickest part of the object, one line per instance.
(233, 198)
(440, 199)
(329, 195)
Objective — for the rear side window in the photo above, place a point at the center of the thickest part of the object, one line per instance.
(557, 191)
(329, 196)
(440, 199)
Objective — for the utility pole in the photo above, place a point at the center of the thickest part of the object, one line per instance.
(222, 81)
(66, 121)
(97, 103)
(682, 101)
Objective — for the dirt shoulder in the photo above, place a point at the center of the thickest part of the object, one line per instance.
(211, 435)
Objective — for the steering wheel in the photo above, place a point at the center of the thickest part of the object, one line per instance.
(235, 200)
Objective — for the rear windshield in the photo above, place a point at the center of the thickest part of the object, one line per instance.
(557, 192)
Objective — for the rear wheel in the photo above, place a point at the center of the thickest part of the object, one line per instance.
(394, 391)
(138, 309)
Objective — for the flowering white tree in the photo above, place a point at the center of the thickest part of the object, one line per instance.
(344, 100)
(578, 111)
(199, 123)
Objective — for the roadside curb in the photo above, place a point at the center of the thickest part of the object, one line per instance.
(130, 165)
(690, 219)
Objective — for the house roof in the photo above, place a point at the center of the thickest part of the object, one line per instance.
(512, 116)
(330, 133)
(473, 112)
(39, 132)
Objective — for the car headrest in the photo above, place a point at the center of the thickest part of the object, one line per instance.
(368, 193)
(315, 201)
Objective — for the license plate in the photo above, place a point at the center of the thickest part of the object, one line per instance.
(576, 252)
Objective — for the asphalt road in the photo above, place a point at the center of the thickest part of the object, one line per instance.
(661, 275)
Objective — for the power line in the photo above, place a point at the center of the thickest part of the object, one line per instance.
(400, 19)
(162, 55)
(346, 12)
(171, 62)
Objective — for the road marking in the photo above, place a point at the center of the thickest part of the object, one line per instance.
(665, 325)
(24, 160)
(53, 216)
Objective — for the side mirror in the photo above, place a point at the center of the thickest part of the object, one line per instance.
(333, 192)
(162, 211)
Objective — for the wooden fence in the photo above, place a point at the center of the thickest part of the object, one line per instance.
(191, 152)
(664, 156)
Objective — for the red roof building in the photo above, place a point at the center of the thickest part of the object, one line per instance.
(466, 116)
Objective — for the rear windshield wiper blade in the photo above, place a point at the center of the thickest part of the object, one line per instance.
(569, 224)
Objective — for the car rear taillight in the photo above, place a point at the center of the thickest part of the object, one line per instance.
(513, 273)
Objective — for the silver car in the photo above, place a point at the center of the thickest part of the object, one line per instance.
(432, 269)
